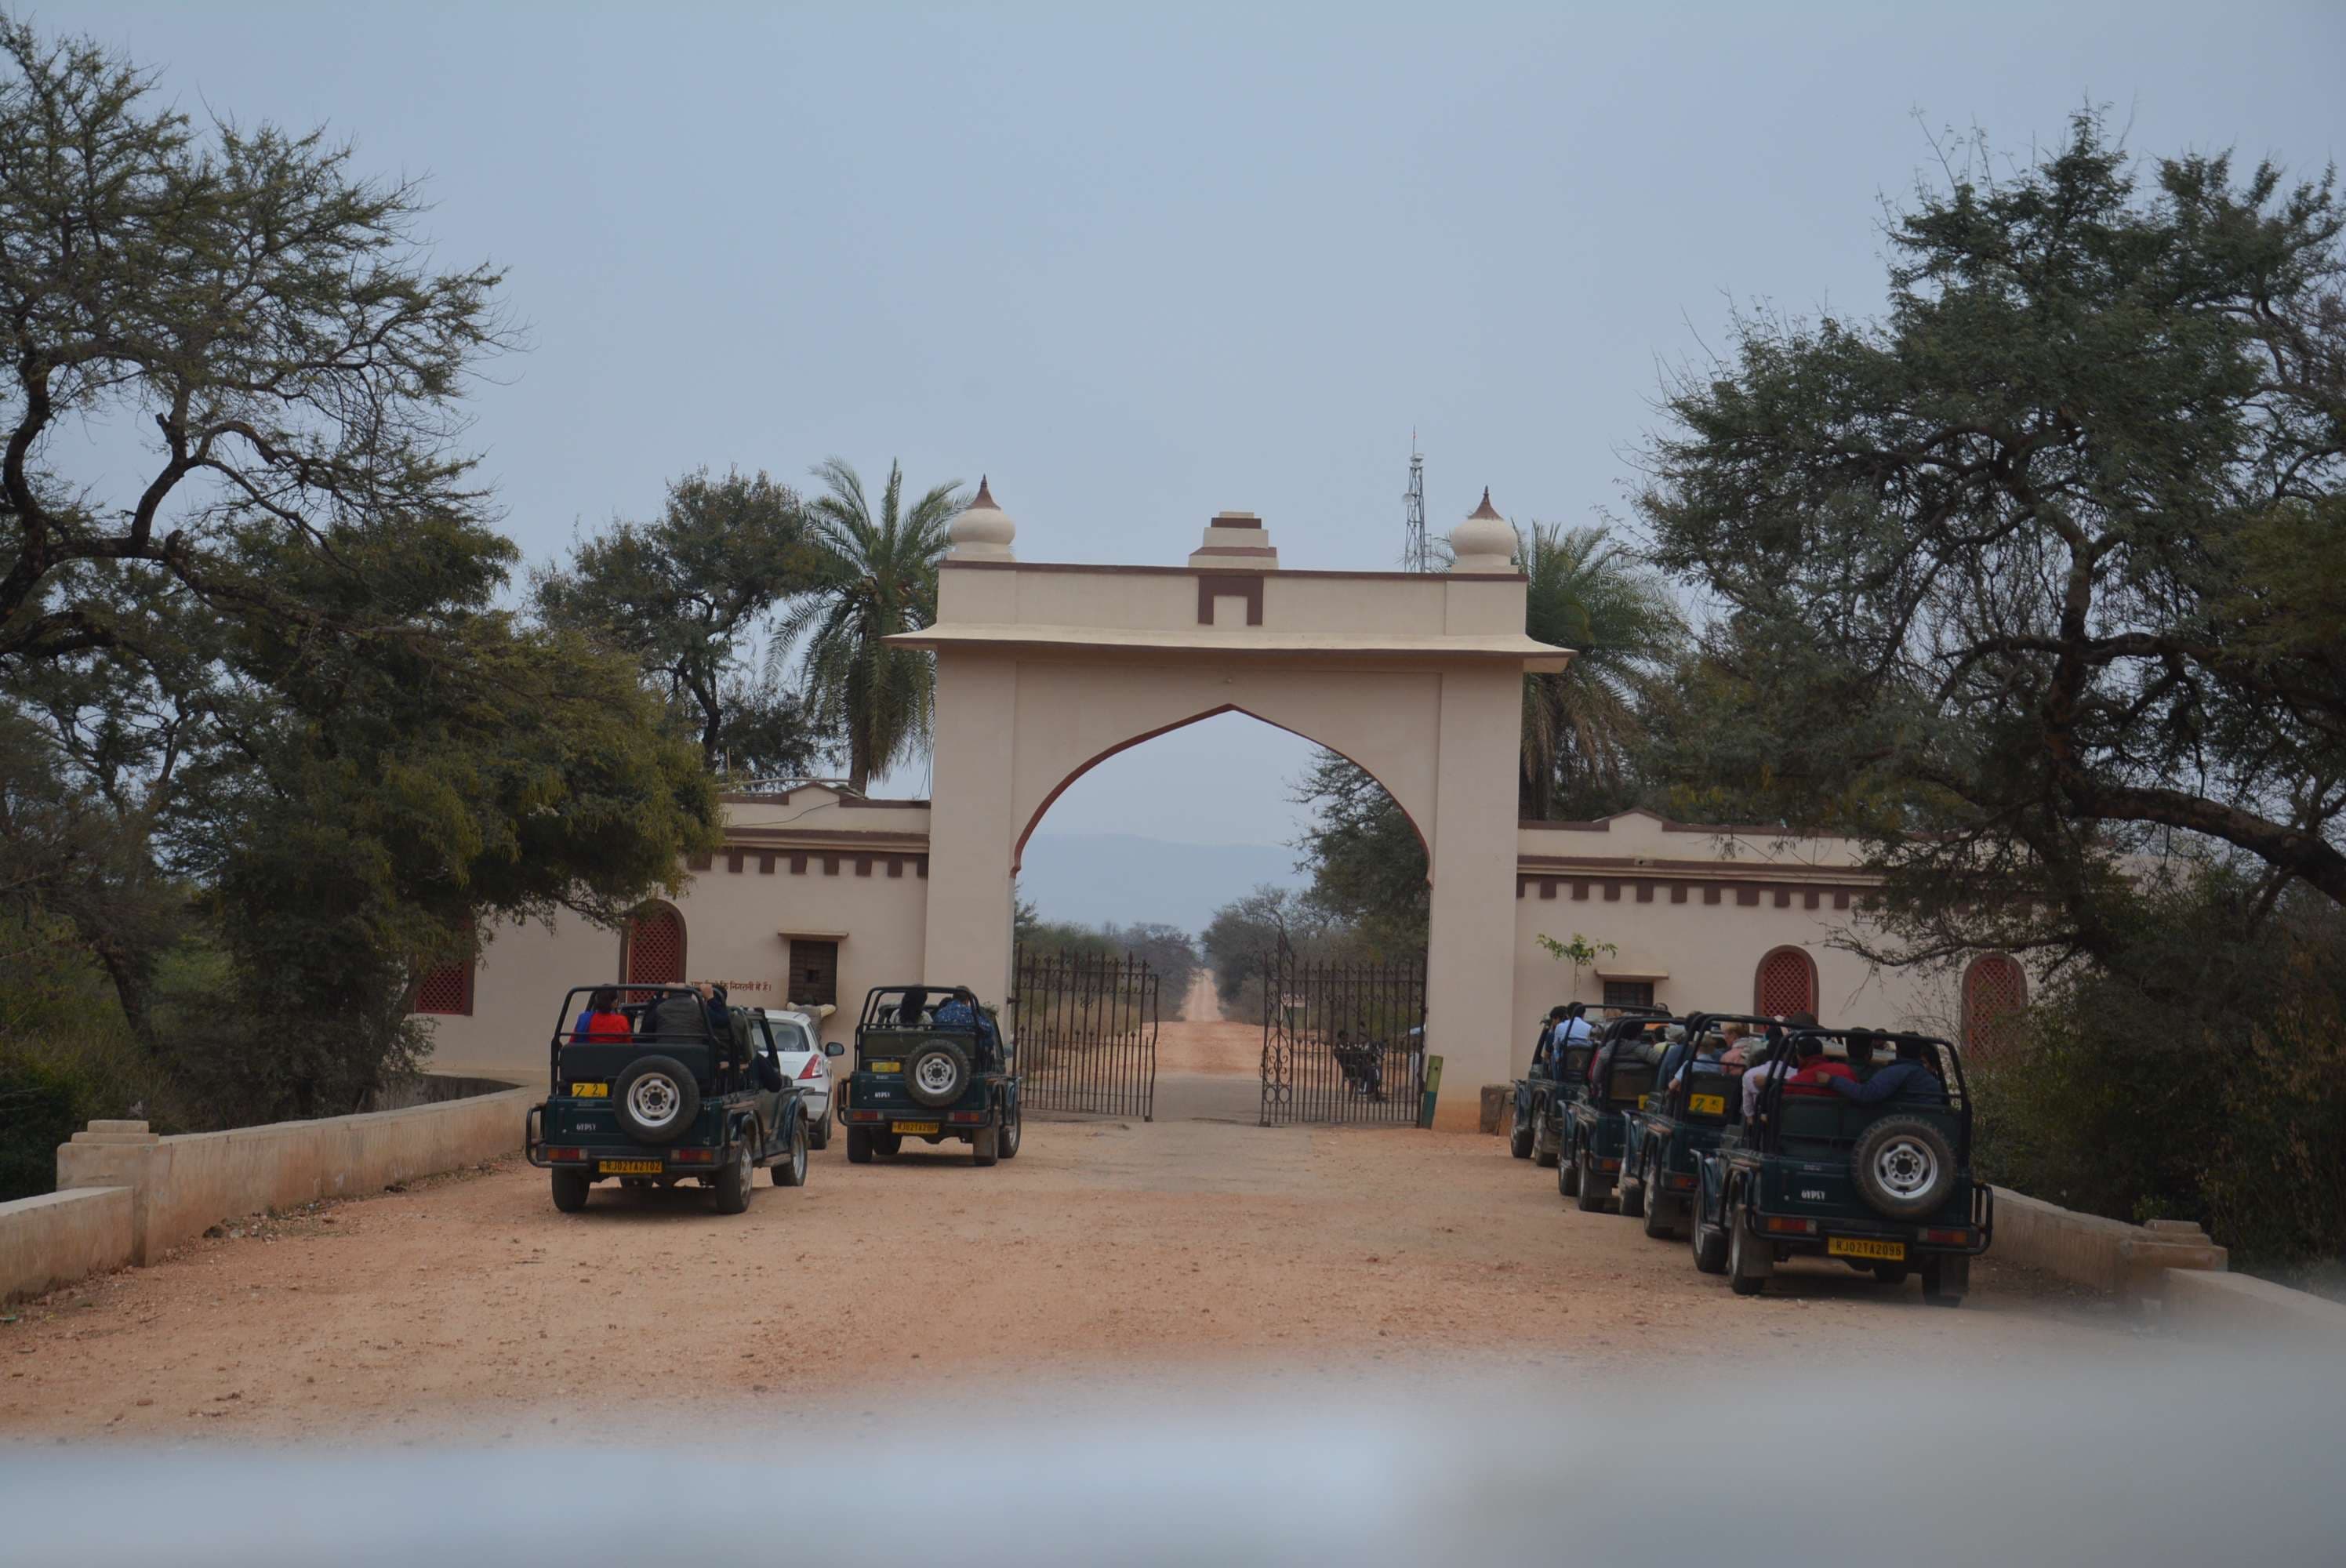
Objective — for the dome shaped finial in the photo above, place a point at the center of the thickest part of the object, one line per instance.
(1484, 542)
(983, 532)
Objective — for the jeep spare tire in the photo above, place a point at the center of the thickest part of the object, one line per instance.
(937, 1072)
(656, 1099)
(1904, 1168)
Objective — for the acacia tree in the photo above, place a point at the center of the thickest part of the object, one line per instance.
(256, 692)
(683, 594)
(2041, 572)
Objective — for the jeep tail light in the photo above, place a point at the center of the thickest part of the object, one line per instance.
(965, 1116)
(693, 1156)
(865, 1116)
(1948, 1237)
(553, 1154)
(1680, 1182)
(1783, 1227)
(1608, 1165)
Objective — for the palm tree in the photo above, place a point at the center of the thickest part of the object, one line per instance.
(878, 577)
(1586, 594)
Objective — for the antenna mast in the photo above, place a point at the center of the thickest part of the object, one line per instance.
(1415, 556)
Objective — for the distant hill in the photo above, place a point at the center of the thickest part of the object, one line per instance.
(1125, 879)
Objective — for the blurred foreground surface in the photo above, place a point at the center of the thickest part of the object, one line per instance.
(2218, 1458)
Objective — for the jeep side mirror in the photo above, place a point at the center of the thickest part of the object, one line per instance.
(833, 1048)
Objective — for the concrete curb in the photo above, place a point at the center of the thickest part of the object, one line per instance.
(2202, 1305)
(127, 1196)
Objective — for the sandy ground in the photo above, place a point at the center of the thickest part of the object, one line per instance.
(1108, 1252)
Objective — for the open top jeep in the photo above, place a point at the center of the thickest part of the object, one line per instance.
(1594, 1125)
(930, 1066)
(1666, 1137)
(658, 1091)
(1884, 1186)
(1557, 1074)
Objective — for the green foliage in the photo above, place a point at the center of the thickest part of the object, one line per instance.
(267, 744)
(1582, 728)
(2203, 1078)
(1366, 862)
(683, 594)
(1580, 952)
(2040, 572)
(877, 577)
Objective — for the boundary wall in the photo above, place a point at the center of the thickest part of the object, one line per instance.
(127, 1196)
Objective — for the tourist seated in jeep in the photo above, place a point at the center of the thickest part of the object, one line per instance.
(1621, 1074)
(693, 1093)
(1574, 1047)
(1697, 1100)
(1878, 1180)
(932, 1075)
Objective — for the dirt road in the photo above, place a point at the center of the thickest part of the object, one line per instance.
(1106, 1252)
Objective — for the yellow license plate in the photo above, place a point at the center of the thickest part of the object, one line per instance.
(887, 1066)
(590, 1091)
(1706, 1104)
(913, 1127)
(1883, 1251)
(628, 1168)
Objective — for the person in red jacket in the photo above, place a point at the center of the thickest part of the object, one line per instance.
(602, 1020)
(1815, 1068)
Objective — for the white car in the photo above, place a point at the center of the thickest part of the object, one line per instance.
(805, 1058)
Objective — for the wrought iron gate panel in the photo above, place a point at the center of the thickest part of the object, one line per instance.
(1341, 1042)
(1086, 1029)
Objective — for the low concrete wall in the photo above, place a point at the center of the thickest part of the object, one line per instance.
(2235, 1305)
(2129, 1261)
(183, 1185)
(60, 1236)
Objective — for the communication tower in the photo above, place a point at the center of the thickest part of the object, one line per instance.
(1415, 556)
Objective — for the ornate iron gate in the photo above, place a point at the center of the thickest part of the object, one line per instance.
(1341, 1042)
(1086, 1029)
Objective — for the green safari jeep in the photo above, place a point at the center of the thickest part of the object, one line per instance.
(1880, 1181)
(649, 1089)
(929, 1064)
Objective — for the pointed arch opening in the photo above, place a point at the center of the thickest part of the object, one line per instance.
(1018, 852)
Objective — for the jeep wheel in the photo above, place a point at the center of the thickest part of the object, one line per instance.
(937, 1072)
(1589, 1189)
(656, 1100)
(1710, 1245)
(790, 1168)
(1904, 1168)
(1545, 1152)
(571, 1188)
(859, 1145)
(1748, 1260)
(1945, 1279)
(1657, 1208)
(1567, 1176)
(985, 1145)
(1520, 1132)
(1013, 1129)
(1633, 1194)
(888, 1144)
(733, 1178)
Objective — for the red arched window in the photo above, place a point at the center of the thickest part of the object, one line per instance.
(1786, 984)
(1995, 988)
(655, 945)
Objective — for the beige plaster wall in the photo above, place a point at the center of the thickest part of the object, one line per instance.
(60, 1236)
(1648, 888)
(860, 868)
(185, 1183)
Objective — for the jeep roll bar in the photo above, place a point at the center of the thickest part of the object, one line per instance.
(1951, 1076)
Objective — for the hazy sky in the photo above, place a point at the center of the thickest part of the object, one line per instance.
(1142, 264)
